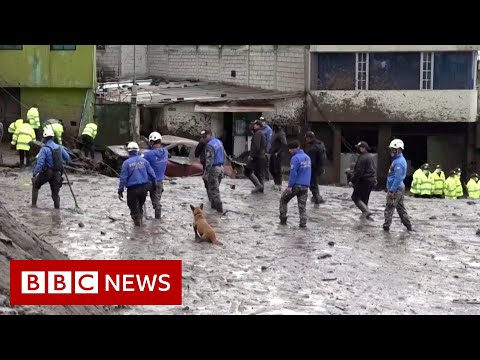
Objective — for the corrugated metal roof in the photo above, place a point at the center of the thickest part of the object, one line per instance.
(186, 91)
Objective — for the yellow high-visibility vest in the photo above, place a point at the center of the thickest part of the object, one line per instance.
(438, 182)
(23, 136)
(473, 188)
(33, 118)
(450, 189)
(90, 130)
(14, 126)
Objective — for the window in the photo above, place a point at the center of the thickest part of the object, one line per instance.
(426, 71)
(101, 47)
(333, 71)
(63, 47)
(453, 70)
(361, 79)
(11, 47)
(394, 71)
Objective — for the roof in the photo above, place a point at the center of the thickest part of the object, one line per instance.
(165, 92)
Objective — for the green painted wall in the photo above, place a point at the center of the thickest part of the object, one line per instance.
(65, 104)
(38, 66)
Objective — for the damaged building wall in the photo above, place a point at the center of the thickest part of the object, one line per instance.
(279, 67)
(395, 106)
(288, 112)
(109, 60)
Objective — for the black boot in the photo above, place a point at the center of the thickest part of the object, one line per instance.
(158, 213)
(283, 220)
(366, 213)
(137, 220)
(34, 197)
(219, 207)
(258, 185)
(56, 202)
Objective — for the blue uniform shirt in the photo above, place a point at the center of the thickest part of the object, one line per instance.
(136, 171)
(214, 153)
(397, 173)
(268, 134)
(300, 169)
(158, 160)
(45, 156)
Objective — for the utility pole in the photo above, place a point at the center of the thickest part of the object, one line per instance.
(134, 118)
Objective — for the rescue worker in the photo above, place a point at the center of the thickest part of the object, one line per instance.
(267, 130)
(135, 175)
(57, 129)
(15, 125)
(459, 189)
(422, 184)
(438, 179)
(254, 170)
(396, 187)
(315, 149)
(33, 118)
(213, 175)
(158, 159)
(200, 153)
(279, 143)
(473, 187)
(298, 183)
(24, 134)
(363, 180)
(49, 168)
(450, 189)
(88, 136)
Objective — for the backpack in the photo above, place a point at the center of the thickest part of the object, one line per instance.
(57, 159)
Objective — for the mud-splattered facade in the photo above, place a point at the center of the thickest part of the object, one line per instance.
(58, 78)
(424, 94)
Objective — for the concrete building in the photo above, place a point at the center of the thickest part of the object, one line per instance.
(58, 78)
(424, 94)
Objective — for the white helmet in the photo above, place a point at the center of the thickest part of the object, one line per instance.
(397, 144)
(47, 132)
(154, 136)
(132, 146)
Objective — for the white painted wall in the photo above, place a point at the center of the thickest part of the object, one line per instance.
(394, 106)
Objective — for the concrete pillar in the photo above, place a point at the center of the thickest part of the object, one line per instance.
(384, 138)
(337, 150)
(134, 118)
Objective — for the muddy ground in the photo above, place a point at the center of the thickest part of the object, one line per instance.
(338, 265)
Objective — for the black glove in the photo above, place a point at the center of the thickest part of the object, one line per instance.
(120, 195)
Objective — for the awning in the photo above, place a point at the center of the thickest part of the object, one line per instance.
(233, 108)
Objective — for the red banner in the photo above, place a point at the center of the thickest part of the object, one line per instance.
(95, 282)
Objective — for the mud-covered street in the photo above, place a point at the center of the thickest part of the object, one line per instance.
(336, 266)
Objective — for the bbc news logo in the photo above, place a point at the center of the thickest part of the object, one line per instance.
(96, 282)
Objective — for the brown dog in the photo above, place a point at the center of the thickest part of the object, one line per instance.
(203, 231)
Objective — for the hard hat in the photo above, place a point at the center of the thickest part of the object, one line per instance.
(48, 132)
(154, 136)
(132, 146)
(426, 166)
(397, 144)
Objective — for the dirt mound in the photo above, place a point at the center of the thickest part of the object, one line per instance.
(17, 242)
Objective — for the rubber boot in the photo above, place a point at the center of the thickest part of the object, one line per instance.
(137, 220)
(158, 213)
(56, 202)
(366, 213)
(258, 185)
(283, 220)
(34, 197)
(219, 207)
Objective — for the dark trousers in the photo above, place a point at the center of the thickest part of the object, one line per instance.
(39, 134)
(301, 192)
(275, 168)
(267, 167)
(362, 190)
(88, 146)
(257, 167)
(54, 178)
(24, 156)
(136, 196)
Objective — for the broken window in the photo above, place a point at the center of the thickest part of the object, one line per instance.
(454, 70)
(394, 71)
(11, 47)
(333, 71)
(361, 80)
(179, 150)
(427, 71)
(101, 47)
(62, 47)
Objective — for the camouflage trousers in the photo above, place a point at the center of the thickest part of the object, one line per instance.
(396, 203)
(301, 192)
(156, 196)
(214, 178)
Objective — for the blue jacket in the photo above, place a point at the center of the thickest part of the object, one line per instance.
(45, 156)
(214, 153)
(136, 171)
(397, 173)
(158, 160)
(268, 134)
(300, 169)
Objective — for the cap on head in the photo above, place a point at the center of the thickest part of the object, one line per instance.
(258, 122)
(396, 144)
(132, 146)
(474, 175)
(48, 132)
(452, 173)
(154, 136)
(426, 166)
(458, 170)
(363, 144)
(310, 134)
(438, 167)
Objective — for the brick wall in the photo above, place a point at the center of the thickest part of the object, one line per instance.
(279, 67)
(140, 61)
(109, 59)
